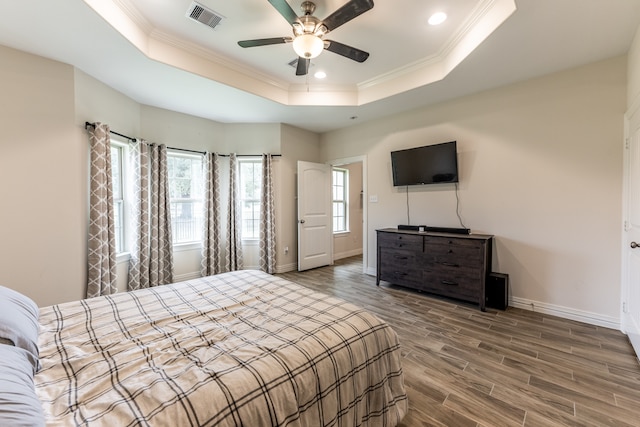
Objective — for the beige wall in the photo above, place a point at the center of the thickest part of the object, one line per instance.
(633, 72)
(44, 171)
(43, 174)
(540, 168)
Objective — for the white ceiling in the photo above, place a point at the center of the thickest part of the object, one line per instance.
(150, 51)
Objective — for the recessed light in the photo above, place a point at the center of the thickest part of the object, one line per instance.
(437, 18)
(320, 75)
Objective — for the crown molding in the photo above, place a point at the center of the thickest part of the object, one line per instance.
(171, 50)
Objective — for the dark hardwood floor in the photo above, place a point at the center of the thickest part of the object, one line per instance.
(464, 367)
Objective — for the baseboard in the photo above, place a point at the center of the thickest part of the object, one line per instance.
(556, 310)
(285, 268)
(347, 254)
(187, 276)
(566, 313)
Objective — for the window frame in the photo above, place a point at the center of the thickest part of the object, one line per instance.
(120, 204)
(256, 161)
(197, 242)
(344, 200)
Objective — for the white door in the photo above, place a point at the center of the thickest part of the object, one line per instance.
(631, 235)
(315, 219)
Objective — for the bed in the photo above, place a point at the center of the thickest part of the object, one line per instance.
(236, 349)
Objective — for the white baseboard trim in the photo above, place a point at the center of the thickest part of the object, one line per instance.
(285, 268)
(557, 310)
(196, 274)
(187, 276)
(566, 313)
(347, 254)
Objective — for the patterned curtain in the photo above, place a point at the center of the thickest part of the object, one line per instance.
(211, 259)
(161, 244)
(234, 240)
(139, 246)
(102, 239)
(267, 219)
(151, 251)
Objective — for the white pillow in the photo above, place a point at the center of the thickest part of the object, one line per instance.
(19, 322)
(19, 404)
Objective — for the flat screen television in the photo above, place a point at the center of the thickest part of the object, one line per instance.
(431, 164)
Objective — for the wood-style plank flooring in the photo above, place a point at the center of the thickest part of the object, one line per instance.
(464, 367)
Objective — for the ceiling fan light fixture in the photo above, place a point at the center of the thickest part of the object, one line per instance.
(308, 46)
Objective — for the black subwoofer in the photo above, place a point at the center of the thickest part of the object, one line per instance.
(497, 291)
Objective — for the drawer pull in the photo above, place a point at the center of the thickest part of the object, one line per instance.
(449, 283)
(450, 264)
(401, 257)
(400, 273)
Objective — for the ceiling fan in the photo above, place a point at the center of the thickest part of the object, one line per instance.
(308, 32)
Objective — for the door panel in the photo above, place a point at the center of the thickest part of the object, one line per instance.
(631, 240)
(315, 232)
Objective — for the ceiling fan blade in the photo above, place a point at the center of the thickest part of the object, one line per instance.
(264, 42)
(347, 51)
(346, 13)
(303, 66)
(285, 10)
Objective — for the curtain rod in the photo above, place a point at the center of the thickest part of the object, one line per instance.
(93, 125)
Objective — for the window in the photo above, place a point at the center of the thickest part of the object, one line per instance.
(250, 197)
(186, 192)
(340, 186)
(117, 178)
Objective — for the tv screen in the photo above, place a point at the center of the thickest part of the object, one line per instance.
(431, 164)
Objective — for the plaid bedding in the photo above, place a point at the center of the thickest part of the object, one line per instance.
(237, 349)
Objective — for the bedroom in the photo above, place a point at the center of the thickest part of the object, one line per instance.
(557, 226)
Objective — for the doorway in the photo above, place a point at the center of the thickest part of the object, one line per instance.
(352, 241)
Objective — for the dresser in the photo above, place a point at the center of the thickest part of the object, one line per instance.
(448, 265)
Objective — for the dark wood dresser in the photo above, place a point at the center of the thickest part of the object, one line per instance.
(449, 265)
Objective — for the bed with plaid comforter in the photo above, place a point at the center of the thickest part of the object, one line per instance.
(236, 349)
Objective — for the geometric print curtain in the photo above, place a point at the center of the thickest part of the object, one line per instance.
(161, 250)
(234, 240)
(211, 251)
(139, 214)
(151, 249)
(101, 259)
(267, 219)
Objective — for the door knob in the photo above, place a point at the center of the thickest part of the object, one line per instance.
(634, 245)
(302, 221)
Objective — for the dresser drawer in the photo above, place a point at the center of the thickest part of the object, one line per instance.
(400, 241)
(399, 266)
(399, 257)
(452, 284)
(452, 241)
(443, 250)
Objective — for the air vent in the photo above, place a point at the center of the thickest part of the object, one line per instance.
(206, 16)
